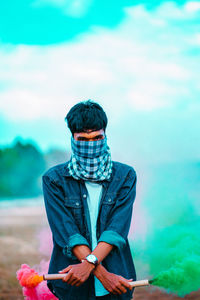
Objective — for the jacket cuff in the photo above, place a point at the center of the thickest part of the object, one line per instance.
(113, 238)
(74, 240)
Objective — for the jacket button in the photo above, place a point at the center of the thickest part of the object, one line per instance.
(84, 195)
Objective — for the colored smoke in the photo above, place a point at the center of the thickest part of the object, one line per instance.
(170, 250)
(45, 242)
(180, 262)
(34, 288)
(33, 285)
(28, 277)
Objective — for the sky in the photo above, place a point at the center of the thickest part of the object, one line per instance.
(138, 59)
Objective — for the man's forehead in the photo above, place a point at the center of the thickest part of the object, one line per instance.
(91, 132)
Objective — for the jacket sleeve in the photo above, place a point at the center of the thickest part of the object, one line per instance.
(64, 229)
(117, 228)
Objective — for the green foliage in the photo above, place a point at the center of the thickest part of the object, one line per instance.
(21, 166)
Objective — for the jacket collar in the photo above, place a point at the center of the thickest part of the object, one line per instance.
(67, 174)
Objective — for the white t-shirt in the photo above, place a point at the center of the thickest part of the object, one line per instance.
(93, 201)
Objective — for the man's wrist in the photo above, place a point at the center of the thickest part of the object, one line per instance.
(99, 271)
(90, 266)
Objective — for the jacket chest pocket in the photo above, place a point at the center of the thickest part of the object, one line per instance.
(75, 206)
(107, 206)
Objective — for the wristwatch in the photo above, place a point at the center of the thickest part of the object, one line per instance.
(91, 258)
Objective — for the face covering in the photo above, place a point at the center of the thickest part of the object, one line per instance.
(90, 160)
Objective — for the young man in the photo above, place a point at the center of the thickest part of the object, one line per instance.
(89, 203)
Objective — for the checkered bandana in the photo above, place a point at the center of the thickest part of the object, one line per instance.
(90, 160)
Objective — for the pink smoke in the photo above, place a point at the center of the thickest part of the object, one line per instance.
(45, 242)
(41, 291)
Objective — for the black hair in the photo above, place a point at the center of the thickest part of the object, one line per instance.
(86, 115)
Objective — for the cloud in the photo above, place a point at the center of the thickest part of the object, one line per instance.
(146, 66)
(73, 8)
(192, 6)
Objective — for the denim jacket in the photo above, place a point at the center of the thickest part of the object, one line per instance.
(67, 212)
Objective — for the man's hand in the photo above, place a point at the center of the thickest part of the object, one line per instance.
(113, 283)
(77, 274)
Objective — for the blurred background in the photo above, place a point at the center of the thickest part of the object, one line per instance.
(140, 61)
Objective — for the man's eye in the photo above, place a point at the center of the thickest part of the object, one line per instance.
(82, 139)
(100, 137)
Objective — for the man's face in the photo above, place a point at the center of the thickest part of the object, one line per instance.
(89, 135)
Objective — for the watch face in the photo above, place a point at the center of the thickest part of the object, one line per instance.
(92, 259)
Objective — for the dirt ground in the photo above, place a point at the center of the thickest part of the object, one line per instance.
(18, 244)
